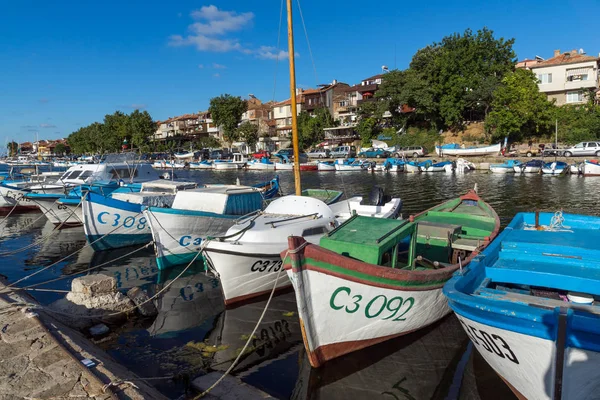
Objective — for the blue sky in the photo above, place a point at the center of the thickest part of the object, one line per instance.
(65, 64)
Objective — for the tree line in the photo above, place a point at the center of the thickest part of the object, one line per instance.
(109, 135)
(472, 77)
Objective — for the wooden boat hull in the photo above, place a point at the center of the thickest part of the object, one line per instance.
(247, 270)
(58, 214)
(342, 309)
(526, 169)
(478, 151)
(258, 166)
(15, 201)
(220, 166)
(412, 168)
(110, 223)
(201, 166)
(502, 169)
(179, 234)
(349, 168)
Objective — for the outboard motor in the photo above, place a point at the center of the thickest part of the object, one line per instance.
(376, 197)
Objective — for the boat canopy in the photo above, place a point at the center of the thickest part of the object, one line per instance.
(162, 185)
(220, 199)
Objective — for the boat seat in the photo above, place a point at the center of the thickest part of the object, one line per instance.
(466, 244)
(437, 230)
(578, 278)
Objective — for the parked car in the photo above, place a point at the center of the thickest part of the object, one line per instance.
(374, 153)
(260, 154)
(343, 152)
(583, 149)
(285, 152)
(411, 151)
(318, 153)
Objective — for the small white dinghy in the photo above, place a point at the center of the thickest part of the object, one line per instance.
(343, 210)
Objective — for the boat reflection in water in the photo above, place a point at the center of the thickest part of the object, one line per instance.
(277, 336)
(187, 302)
(433, 363)
(137, 269)
(21, 225)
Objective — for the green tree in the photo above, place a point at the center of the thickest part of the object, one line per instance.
(248, 132)
(578, 123)
(208, 142)
(519, 109)
(226, 112)
(310, 128)
(60, 149)
(13, 148)
(368, 128)
(140, 128)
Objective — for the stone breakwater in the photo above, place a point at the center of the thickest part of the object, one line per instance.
(40, 357)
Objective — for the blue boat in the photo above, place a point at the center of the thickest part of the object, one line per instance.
(555, 168)
(529, 303)
(507, 166)
(116, 220)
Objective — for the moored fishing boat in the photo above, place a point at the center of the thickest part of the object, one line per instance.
(576, 169)
(416, 166)
(352, 165)
(456, 150)
(285, 164)
(590, 168)
(178, 232)
(325, 195)
(325, 166)
(261, 165)
(116, 220)
(204, 164)
(442, 166)
(373, 279)
(461, 165)
(248, 261)
(555, 168)
(529, 305)
(506, 167)
(530, 167)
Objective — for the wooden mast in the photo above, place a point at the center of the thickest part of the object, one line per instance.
(293, 98)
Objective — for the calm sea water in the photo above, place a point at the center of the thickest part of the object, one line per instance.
(434, 363)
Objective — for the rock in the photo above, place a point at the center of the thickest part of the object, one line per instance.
(99, 330)
(92, 285)
(140, 299)
(76, 309)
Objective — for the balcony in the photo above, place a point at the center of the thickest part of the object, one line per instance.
(575, 85)
(368, 88)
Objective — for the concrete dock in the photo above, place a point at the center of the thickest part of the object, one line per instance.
(40, 358)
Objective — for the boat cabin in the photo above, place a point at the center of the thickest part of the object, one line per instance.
(220, 199)
(88, 173)
(158, 193)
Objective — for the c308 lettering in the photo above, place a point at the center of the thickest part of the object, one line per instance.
(378, 307)
(186, 240)
(115, 219)
(492, 343)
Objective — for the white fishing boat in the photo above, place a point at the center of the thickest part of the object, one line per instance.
(162, 164)
(264, 164)
(118, 171)
(354, 166)
(238, 161)
(247, 262)
(443, 166)
(325, 166)
(590, 168)
(205, 164)
(457, 150)
(179, 231)
(116, 220)
(576, 169)
(505, 167)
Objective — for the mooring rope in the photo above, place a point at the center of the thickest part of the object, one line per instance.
(44, 238)
(9, 287)
(251, 336)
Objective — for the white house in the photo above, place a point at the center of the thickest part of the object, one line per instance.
(568, 77)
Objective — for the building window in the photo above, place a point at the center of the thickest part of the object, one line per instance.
(545, 78)
(575, 97)
(280, 109)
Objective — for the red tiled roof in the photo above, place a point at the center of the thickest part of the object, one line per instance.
(565, 58)
(299, 100)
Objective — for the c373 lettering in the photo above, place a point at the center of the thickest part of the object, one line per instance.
(380, 306)
(492, 343)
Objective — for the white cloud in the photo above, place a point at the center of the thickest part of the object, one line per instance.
(218, 22)
(205, 43)
(271, 53)
(218, 66)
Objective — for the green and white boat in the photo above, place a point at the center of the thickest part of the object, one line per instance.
(372, 279)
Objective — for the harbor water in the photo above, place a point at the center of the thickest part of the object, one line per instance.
(194, 333)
